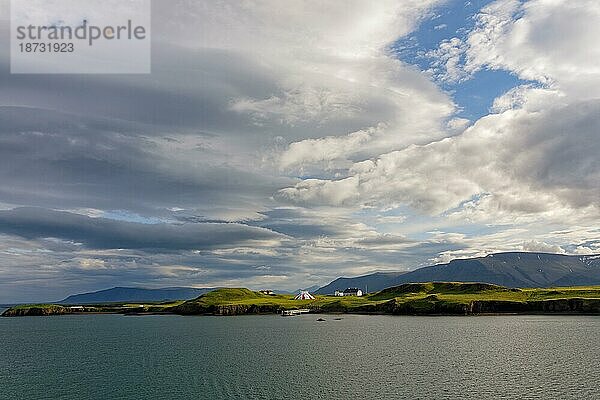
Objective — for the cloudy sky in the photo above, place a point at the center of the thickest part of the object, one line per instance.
(283, 144)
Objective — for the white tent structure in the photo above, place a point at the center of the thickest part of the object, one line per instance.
(304, 295)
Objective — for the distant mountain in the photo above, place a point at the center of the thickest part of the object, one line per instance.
(119, 294)
(308, 289)
(372, 282)
(513, 269)
(287, 291)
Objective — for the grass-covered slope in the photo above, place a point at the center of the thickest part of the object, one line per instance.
(35, 310)
(450, 288)
(135, 295)
(233, 301)
(411, 298)
(57, 309)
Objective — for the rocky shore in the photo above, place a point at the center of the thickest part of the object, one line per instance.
(36, 311)
(435, 298)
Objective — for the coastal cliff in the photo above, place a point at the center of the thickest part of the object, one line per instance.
(430, 298)
(552, 306)
(230, 309)
(36, 310)
(433, 298)
(431, 305)
(235, 301)
(57, 309)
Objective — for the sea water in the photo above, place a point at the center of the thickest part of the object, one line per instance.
(273, 357)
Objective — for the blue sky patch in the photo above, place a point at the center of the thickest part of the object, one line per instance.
(475, 95)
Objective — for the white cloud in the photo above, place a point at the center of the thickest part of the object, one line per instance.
(535, 158)
(516, 162)
(327, 149)
(301, 104)
(551, 42)
(536, 246)
(324, 192)
(448, 64)
(245, 92)
(329, 72)
(344, 28)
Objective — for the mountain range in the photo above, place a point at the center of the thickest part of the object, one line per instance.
(511, 269)
(134, 294)
(121, 294)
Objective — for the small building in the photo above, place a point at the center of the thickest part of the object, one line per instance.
(304, 295)
(352, 292)
(76, 308)
(339, 293)
(267, 291)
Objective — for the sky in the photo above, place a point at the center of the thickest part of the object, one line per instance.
(282, 145)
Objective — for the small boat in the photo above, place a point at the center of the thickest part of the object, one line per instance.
(292, 313)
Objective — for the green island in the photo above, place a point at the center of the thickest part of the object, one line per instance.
(434, 298)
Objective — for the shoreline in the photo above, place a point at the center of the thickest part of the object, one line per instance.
(418, 299)
(316, 313)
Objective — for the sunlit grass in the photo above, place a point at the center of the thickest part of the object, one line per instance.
(440, 297)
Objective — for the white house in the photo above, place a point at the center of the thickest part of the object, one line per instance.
(352, 292)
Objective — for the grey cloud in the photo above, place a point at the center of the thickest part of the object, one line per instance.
(304, 224)
(560, 152)
(102, 233)
(385, 240)
(508, 162)
(199, 142)
(64, 160)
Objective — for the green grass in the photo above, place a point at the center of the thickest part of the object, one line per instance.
(53, 309)
(411, 298)
(444, 288)
(26, 306)
(589, 292)
(247, 297)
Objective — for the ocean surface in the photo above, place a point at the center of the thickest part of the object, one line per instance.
(273, 357)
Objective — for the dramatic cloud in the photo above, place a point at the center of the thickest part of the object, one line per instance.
(537, 154)
(549, 42)
(102, 233)
(65, 160)
(283, 145)
(517, 157)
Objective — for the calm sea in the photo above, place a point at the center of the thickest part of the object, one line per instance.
(271, 357)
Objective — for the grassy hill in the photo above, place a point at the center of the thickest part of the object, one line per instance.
(411, 298)
(57, 309)
(133, 294)
(454, 298)
(445, 288)
(36, 310)
(230, 301)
